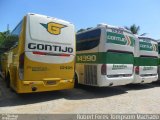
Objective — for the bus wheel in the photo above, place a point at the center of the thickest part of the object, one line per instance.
(7, 79)
(76, 85)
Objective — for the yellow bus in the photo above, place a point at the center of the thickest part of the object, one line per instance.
(42, 56)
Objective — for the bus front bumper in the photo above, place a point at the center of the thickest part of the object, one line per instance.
(41, 86)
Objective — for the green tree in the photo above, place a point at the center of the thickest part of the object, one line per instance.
(89, 28)
(133, 28)
(3, 40)
(81, 30)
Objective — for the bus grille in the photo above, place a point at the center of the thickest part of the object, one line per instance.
(90, 74)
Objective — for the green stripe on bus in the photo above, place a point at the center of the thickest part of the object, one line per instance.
(159, 61)
(140, 61)
(105, 57)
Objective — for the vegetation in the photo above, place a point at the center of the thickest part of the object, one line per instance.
(135, 29)
(4, 43)
(81, 30)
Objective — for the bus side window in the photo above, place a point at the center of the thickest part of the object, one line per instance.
(14, 36)
(88, 40)
(159, 48)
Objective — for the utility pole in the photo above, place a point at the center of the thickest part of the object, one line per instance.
(8, 29)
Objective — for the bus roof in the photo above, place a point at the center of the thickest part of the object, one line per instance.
(146, 37)
(158, 41)
(49, 17)
(116, 27)
(103, 25)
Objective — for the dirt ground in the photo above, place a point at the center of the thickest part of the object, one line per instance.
(122, 99)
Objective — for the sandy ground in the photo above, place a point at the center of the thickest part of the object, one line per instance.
(123, 99)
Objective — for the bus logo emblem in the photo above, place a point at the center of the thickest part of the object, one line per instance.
(53, 28)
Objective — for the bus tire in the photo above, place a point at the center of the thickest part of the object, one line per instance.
(76, 85)
(7, 80)
(5, 75)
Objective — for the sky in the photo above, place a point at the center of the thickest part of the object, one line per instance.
(87, 13)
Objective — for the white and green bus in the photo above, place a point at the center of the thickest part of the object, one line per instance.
(146, 60)
(159, 60)
(105, 56)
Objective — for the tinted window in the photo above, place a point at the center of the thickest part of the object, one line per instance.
(146, 61)
(14, 36)
(88, 40)
(159, 48)
(17, 30)
(117, 57)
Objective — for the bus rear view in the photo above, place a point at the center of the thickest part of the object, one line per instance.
(105, 56)
(146, 60)
(45, 55)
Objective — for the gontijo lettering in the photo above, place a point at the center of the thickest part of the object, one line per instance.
(35, 46)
